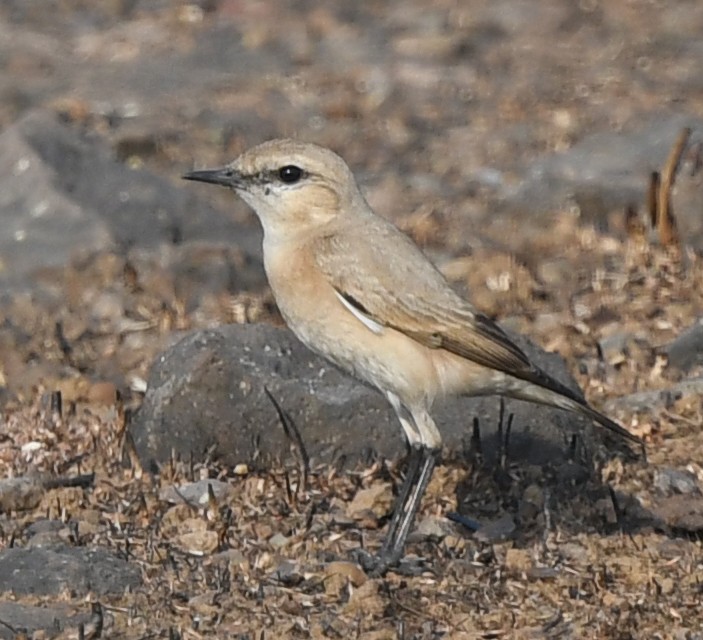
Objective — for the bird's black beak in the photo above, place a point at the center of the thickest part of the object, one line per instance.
(226, 177)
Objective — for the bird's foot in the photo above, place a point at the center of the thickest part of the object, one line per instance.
(376, 566)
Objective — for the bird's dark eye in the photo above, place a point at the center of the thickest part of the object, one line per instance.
(290, 174)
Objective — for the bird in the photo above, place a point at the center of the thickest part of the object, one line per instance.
(359, 292)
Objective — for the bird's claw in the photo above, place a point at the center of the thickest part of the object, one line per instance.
(376, 566)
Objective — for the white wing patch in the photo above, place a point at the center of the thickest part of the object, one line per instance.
(369, 323)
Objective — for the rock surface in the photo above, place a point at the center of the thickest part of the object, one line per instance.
(64, 194)
(605, 172)
(207, 393)
(49, 571)
(20, 618)
(686, 350)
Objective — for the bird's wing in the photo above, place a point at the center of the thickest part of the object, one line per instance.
(391, 282)
(386, 281)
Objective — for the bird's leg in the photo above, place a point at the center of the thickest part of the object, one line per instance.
(412, 474)
(405, 510)
(394, 546)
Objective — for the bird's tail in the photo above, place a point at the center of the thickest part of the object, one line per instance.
(606, 422)
(578, 405)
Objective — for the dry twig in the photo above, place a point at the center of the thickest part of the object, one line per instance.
(661, 212)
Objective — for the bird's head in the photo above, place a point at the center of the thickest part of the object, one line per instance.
(292, 186)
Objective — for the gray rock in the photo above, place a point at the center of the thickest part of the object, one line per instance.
(496, 531)
(432, 527)
(45, 526)
(47, 534)
(646, 400)
(62, 192)
(195, 493)
(41, 571)
(679, 512)
(20, 618)
(287, 572)
(207, 393)
(686, 351)
(615, 346)
(21, 493)
(606, 171)
(670, 481)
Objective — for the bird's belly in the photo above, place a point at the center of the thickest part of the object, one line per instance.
(461, 376)
(388, 360)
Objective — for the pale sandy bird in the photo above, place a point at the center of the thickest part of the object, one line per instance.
(359, 292)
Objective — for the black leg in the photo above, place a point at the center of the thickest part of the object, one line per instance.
(419, 472)
(411, 476)
(394, 546)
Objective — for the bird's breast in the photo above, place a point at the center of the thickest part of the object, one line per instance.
(379, 355)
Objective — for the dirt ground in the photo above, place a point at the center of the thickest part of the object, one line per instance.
(255, 563)
(613, 556)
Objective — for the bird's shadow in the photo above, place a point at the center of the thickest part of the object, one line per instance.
(529, 486)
